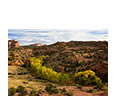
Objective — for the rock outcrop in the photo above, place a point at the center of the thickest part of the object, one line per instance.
(37, 44)
(13, 44)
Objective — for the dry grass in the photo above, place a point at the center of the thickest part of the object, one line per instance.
(30, 83)
(26, 80)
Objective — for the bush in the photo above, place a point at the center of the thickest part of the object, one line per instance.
(48, 88)
(99, 83)
(51, 89)
(69, 93)
(21, 90)
(65, 78)
(88, 78)
(92, 91)
(49, 74)
(11, 91)
(10, 58)
(78, 86)
(33, 93)
(54, 91)
(63, 90)
(39, 92)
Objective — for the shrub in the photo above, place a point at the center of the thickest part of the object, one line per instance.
(92, 91)
(48, 88)
(11, 91)
(21, 90)
(10, 58)
(33, 93)
(51, 89)
(63, 90)
(69, 93)
(106, 84)
(65, 78)
(54, 91)
(49, 74)
(39, 92)
(78, 86)
(99, 83)
(88, 78)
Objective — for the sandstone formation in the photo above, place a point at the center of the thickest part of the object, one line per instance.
(13, 44)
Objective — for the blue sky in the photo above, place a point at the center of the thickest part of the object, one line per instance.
(50, 36)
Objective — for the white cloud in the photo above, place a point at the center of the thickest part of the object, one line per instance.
(30, 36)
(85, 36)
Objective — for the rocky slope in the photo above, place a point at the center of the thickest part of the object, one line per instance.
(66, 57)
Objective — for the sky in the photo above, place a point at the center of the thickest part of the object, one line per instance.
(50, 36)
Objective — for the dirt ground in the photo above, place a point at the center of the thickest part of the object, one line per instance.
(20, 76)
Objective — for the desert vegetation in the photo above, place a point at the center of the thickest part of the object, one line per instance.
(49, 74)
(60, 69)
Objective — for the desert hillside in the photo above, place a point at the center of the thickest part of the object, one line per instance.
(65, 68)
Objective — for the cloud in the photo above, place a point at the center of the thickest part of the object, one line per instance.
(31, 36)
(98, 32)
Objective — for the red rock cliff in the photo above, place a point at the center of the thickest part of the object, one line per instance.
(13, 44)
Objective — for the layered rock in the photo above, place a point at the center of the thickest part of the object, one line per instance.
(13, 44)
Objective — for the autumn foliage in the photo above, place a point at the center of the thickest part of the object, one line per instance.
(87, 78)
(47, 73)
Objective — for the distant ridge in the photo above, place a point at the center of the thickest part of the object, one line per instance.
(36, 44)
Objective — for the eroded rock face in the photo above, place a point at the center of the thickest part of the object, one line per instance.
(13, 44)
(37, 44)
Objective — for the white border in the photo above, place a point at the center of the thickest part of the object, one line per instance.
(55, 14)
